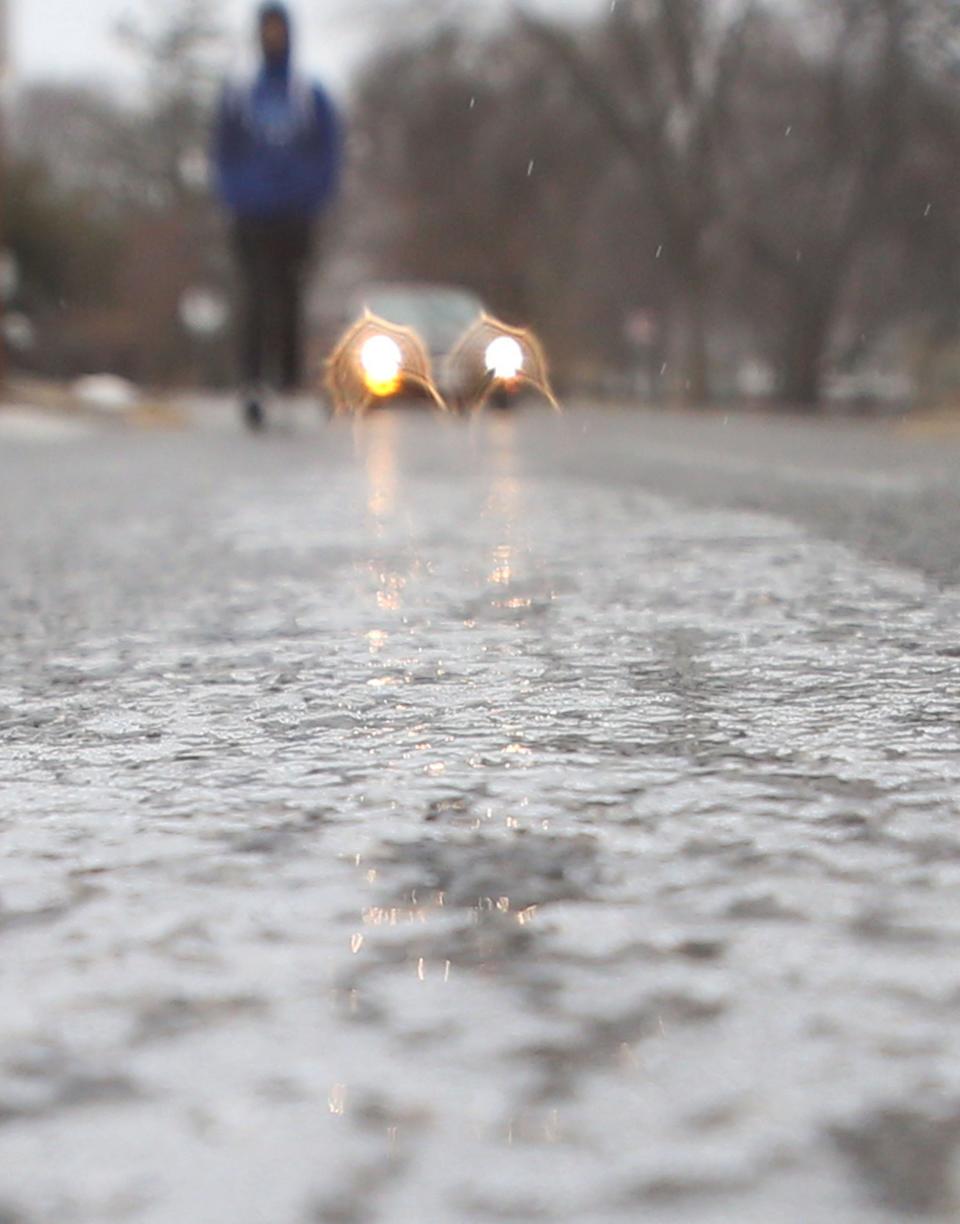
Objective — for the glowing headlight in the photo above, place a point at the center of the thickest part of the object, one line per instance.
(382, 362)
(504, 357)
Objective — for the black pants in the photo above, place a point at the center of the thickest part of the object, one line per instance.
(273, 257)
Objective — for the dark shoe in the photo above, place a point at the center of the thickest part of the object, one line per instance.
(253, 416)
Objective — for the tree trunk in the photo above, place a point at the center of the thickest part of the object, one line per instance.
(691, 381)
(804, 352)
(697, 373)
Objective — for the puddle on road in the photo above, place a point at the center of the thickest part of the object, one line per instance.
(420, 839)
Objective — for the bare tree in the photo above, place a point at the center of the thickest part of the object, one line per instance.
(179, 55)
(482, 170)
(129, 184)
(823, 131)
(660, 79)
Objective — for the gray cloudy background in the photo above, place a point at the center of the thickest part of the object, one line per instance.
(60, 40)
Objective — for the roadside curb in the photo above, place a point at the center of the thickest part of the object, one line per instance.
(933, 423)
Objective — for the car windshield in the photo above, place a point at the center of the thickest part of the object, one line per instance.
(440, 316)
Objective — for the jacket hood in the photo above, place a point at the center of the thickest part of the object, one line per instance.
(281, 12)
(275, 8)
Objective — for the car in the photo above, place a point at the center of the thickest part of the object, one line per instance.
(429, 343)
(439, 314)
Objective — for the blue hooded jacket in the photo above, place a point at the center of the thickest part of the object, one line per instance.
(277, 144)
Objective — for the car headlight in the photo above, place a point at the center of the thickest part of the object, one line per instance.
(504, 358)
(382, 362)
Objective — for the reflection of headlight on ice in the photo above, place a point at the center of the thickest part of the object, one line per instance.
(382, 361)
(504, 357)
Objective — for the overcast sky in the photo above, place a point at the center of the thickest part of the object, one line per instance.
(74, 38)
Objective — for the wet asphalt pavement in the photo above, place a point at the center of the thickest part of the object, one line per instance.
(541, 820)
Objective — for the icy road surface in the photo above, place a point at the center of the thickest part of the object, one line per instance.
(554, 820)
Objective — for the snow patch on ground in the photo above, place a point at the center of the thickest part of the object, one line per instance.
(28, 425)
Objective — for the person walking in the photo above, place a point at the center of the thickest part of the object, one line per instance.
(277, 155)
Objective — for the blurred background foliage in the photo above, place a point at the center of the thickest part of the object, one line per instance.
(689, 200)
